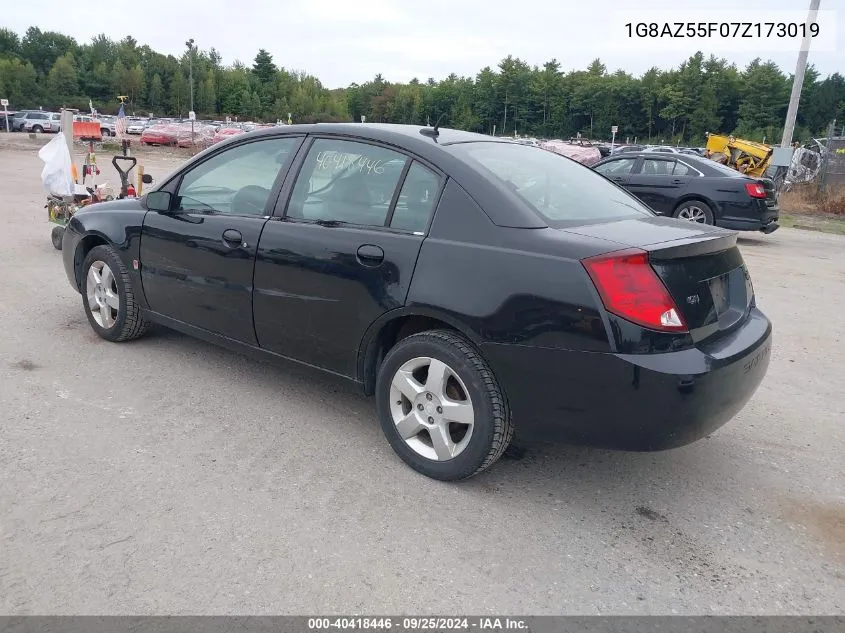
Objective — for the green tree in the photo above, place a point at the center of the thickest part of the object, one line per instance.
(118, 79)
(19, 83)
(43, 48)
(156, 97)
(10, 43)
(765, 96)
(135, 85)
(206, 95)
(179, 97)
(681, 104)
(264, 68)
(62, 80)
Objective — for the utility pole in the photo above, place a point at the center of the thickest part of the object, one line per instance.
(190, 45)
(798, 81)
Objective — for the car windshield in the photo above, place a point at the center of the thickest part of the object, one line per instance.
(560, 189)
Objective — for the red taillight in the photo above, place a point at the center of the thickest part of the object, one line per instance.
(630, 288)
(755, 189)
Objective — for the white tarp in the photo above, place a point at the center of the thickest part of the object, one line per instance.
(57, 175)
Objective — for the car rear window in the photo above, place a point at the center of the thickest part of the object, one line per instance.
(561, 190)
(724, 170)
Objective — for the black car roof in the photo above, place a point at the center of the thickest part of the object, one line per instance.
(433, 149)
(699, 162)
(395, 133)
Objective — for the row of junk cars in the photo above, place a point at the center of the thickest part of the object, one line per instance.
(589, 153)
(184, 133)
(152, 131)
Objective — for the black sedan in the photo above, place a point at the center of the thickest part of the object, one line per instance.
(695, 188)
(475, 286)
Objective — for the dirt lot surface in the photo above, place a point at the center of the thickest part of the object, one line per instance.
(170, 476)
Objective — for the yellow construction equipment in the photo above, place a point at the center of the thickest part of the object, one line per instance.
(749, 157)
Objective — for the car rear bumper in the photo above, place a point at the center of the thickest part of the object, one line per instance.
(757, 217)
(765, 225)
(633, 401)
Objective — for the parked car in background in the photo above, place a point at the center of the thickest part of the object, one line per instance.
(38, 122)
(664, 149)
(473, 285)
(623, 149)
(16, 122)
(697, 189)
(225, 132)
(160, 134)
(108, 125)
(198, 135)
(10, 115)
(136, 126)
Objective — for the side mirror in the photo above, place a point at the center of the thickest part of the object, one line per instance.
(159, 201)
(147, 179)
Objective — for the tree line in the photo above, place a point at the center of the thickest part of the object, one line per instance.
(678, 105)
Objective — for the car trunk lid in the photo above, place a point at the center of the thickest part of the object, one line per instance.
(701, 267)
(771, 192)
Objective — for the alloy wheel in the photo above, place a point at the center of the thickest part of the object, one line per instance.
(102, 292)
(431, 408)
(693, 214)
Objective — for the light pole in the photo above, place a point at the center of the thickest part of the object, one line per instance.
(190, 45)
(798, 81)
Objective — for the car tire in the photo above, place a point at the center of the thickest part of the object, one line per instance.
(37, 129)
(430, 441)
(106, 289)
(694, 211)
(56, 237)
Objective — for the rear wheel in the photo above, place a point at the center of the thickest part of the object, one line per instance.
(440, 406)
(108, 297)
(695, 211)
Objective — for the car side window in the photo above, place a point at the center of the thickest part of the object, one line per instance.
(653, 167)
(683, 170)
(346, 181)
(236, 181)
(618, 167)
(416, 199)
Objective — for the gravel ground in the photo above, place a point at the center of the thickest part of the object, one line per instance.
(170, 476)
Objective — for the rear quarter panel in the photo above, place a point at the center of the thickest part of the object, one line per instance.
(724, 195)
(506, 285)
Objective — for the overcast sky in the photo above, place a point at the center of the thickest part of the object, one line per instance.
(345, 41)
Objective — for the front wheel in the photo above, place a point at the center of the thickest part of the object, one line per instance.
(440, 406)
(108, 297)
(37, 129)
(56, 236)
(695, 211)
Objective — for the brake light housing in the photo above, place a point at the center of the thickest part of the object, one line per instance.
(630, 288)
(755, 190)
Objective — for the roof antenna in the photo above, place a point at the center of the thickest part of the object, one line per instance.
(439, 119)
(434, 132)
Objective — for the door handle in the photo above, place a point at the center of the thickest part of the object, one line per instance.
(678, 181)
(233, 238)
(370, 255)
